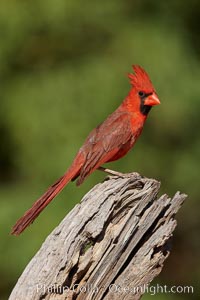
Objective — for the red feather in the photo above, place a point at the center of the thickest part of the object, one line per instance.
(108, 142)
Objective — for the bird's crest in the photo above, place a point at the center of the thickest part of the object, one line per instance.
(140, 80)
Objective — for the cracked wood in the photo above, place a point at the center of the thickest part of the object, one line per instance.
(110, 246)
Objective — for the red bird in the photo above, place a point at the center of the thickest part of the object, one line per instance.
(109, 141)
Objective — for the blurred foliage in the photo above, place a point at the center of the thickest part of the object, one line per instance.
(62, 71)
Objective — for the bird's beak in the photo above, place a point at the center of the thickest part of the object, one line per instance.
(152, 100)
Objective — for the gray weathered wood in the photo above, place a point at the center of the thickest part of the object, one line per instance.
(110, 246)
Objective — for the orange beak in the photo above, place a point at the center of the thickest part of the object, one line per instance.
(152, 100)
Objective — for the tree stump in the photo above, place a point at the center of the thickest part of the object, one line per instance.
(110, 246)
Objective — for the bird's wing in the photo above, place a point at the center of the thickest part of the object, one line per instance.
(105, 141)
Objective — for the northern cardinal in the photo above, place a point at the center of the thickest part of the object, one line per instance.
(109, 141)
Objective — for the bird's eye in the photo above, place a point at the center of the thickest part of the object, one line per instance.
(141, 94)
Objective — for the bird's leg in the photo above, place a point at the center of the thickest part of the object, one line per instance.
(111, 172)
(119, 174)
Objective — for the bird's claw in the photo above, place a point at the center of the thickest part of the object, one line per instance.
(119, 174)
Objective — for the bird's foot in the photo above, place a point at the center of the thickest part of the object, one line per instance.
(118, 174)
(111, 172)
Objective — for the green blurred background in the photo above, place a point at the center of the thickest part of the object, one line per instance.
(63, 67)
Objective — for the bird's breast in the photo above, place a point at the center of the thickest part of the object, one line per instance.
(137, 123)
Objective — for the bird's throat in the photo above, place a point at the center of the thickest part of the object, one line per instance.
(144, 109)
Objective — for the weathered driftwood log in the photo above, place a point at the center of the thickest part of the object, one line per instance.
(110, 246)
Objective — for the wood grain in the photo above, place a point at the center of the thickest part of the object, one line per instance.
(110, 246)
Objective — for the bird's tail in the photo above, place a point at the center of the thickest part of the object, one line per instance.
(31, 214)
